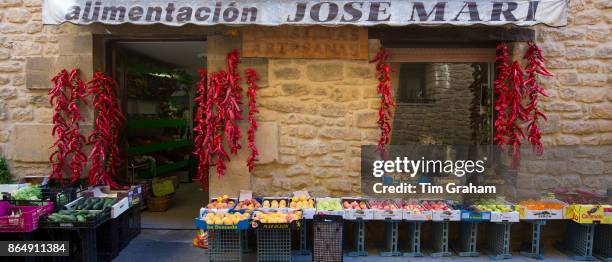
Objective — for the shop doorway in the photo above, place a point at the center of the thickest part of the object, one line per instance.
(156, 81)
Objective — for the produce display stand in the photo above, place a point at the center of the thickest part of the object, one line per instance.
(440, 239)
(603, 242)
(578, 243)
(273, 241)
(225, 245)
(156, 170)
(327, 240)
(225, 242)
(134, 220)
(360, 250)
(391, 239)
(498, 240)
(535, 247)
(468, 239)
(414, 239)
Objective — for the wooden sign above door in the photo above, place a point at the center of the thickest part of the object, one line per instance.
(306, 42)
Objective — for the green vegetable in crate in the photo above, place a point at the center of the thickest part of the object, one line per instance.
(27, 193)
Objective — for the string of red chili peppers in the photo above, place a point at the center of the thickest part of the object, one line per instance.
(104, 154)
(510, 88)
(219, 103)
(535, 66)
(251, 93)
(68, 89)
(385, 114)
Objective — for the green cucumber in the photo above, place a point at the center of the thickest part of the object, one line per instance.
(80, 218)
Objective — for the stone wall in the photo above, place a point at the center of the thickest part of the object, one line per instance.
(324, 110)
(314, 113)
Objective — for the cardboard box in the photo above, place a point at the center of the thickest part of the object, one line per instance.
(512, 216)
(329, 212)
(526, 213)
(394, 213)
(587, 214)
(414, 216)
(357, 214)
(446, 215)
(475, 216)
(307, 213)
(116, 209)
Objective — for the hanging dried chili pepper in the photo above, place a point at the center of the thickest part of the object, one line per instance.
(385, 114)
(251, 93)
(104, 155)
(232, 104)
(68, 90)
(535, 66)
(202, 138)
(501, 101)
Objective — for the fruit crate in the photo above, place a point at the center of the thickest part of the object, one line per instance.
(546, 208)
(357, 209)
(28, 221)
(98, 219)
(387, 209)
(327, 238)
(603, 242)
(243, 224)
(273, 242)
(329, 206)
(579, 241)
(498, 240)
(225, 245)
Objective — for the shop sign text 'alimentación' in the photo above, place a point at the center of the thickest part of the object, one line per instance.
(304, 12)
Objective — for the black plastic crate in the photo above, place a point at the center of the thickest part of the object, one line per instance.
(134, 220)
(273, 243)
(327, 239)
(124, 229)
(108, 239)
(60, 195)
(99, 219)
(603, 242)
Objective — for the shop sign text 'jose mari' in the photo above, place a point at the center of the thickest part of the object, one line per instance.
(294, 12)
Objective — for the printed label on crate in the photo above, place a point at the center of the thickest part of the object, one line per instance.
(475, 216)
(388, 214)
(587, 213)
(413, 216)
(446, 215)
(353, 214)
(66, 225)
(607, 215)
(297, 224)
(331, 212)
(505, 216)
(541, 214)
(308, 213)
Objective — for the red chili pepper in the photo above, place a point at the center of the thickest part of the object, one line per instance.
(385, 114)
(68, 89)
(251, 93)
(535, 66)
(104, 156)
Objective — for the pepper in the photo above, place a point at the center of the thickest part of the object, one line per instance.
(105, 157)
(535, 66)
(385, 114)
(251, 93)
(67, 91)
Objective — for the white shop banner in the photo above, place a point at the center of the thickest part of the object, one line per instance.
(307, 12)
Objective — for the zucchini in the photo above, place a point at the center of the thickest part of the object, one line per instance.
(80, 218)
